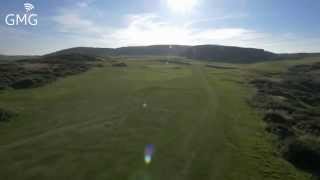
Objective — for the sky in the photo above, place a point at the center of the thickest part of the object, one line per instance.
(285, 26)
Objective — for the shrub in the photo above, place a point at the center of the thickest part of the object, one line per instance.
(304, 152)
(5, 115)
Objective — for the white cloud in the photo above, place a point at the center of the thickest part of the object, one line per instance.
(149, 29)
(182, 6)
(71, 22)
(82, 4)
(220, 18)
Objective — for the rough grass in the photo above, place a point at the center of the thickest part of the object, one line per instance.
(93, 126)
(289, 101)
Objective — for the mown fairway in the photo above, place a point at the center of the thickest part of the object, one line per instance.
(94, 126)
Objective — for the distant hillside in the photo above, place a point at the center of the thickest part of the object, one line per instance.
(14, 58)
(298, 55)
(228, 54)
(89, 51)
(214, 53)
(155, 50)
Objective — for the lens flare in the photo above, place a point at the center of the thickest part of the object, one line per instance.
(147, 159)
(148, 152)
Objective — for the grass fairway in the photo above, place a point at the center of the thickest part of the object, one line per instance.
(94, 126)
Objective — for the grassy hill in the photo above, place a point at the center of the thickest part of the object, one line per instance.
(289, 99)
(97, 124)
(229, 54)
(14, 58)
(35, 72)
(156, 50)
(88, 51)
(206, 52)
(213, 53)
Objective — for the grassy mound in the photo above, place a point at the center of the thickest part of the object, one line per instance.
(31, 73)
(291, 102)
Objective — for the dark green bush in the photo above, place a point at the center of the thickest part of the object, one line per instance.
(5, 115)
(304, 153)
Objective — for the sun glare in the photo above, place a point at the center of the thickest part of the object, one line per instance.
(182, 6)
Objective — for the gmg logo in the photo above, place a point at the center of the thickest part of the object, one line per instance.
(24, 19)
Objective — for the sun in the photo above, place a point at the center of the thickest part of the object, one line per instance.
(182, 6)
